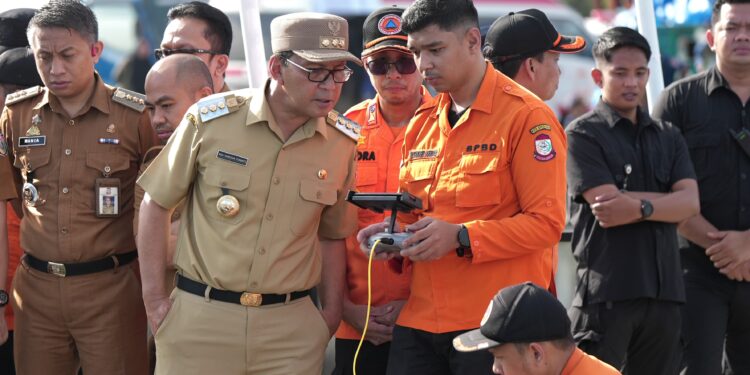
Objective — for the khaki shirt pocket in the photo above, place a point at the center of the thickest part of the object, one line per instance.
(217, 181)
(479, 183)
(314, 196)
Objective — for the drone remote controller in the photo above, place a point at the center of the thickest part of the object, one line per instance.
(380, 202)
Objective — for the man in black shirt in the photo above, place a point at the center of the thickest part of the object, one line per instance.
(630, 180)
(710, 108)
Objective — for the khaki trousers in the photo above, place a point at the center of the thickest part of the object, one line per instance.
(95, 321)
(200, 336)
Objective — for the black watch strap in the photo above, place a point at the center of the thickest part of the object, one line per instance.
(464, 243)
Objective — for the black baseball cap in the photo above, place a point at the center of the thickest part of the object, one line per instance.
(527, 33)
(517, 314)
(382, 30)
(13, 24)
(17, 67)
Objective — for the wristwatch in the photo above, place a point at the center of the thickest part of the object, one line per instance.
(3, 298)
(646, 209)
(464, 244)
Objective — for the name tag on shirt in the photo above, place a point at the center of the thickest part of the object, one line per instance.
(232, 158)
(39, 140)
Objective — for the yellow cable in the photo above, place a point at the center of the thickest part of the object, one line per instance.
(369, 304)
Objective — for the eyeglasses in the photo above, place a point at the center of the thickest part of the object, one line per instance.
(321, 75)
(164, 52)
(403, 65)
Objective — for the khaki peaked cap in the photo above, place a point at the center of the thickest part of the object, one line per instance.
(316, 37)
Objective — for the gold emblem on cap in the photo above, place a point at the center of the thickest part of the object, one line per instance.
(334, 27)
(322, 174)
(111, 128)
(325, 42)
(228, 206)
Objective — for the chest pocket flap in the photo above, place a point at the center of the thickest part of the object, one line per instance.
(367, 174)
(102, 160)
(221, 178)
(316, 192)
(480, 185)
(419, 170)
(34, 159)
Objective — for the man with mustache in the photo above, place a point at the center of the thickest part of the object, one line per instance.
(172, 85)
(630, 181)
(393, 73)
(264, 174)
(486, 157)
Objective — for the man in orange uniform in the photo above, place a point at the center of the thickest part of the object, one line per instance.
(527, 330)
(487, 159)
(394, 75)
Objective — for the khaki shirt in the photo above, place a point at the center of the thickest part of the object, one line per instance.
(63, 226)
(289, 193)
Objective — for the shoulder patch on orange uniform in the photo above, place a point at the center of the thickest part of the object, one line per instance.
(540, 127)
(543, 150)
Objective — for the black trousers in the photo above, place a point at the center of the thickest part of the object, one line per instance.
(7, 366)
(716, 325)
(372, 360)
(638, 337)
(418, 352)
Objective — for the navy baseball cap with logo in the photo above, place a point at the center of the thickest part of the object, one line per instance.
(382, 30)
(517, 314)
(527, 33)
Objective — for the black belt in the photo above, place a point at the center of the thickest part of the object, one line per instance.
(240, 298)
(75, 269)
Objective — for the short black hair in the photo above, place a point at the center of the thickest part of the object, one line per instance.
(446, 14)
(66, 14)
(716, 11)
(564, 343)
(618, 37)
(509, 67)
(218, 27)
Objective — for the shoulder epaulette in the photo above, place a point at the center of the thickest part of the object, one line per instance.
(22, 95)
(215, 106)
(349, 127)
(130, 99)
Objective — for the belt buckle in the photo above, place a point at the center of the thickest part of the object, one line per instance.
(251, 299)
(57, 269)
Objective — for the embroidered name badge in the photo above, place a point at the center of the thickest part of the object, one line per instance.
(232, 158)
(543, 150)
(540, 127)
(423, 154)
(39, 140)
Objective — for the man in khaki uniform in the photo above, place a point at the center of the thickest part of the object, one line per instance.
(76, 294)
(265, 176)
(172, 85)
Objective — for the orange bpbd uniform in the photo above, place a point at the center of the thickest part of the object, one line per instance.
(14, 256)
(378, 161)
(501, 172)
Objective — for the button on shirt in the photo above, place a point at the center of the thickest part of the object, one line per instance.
(378, 162)
(639, 260)
(704, 108)
(62, 226)
(500, 171)
(271, 245)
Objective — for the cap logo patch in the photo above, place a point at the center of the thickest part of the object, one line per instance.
(334, 27)
(543, 150)
(390, 24)
(487, 313)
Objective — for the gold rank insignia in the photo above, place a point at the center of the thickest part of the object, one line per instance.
(345, 125)
(22, 95)
(111, 128)
(34, 129)
(215, 106)
(130, 99)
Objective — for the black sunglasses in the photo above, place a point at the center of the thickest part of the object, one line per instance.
(164, 52)
(404, 65)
